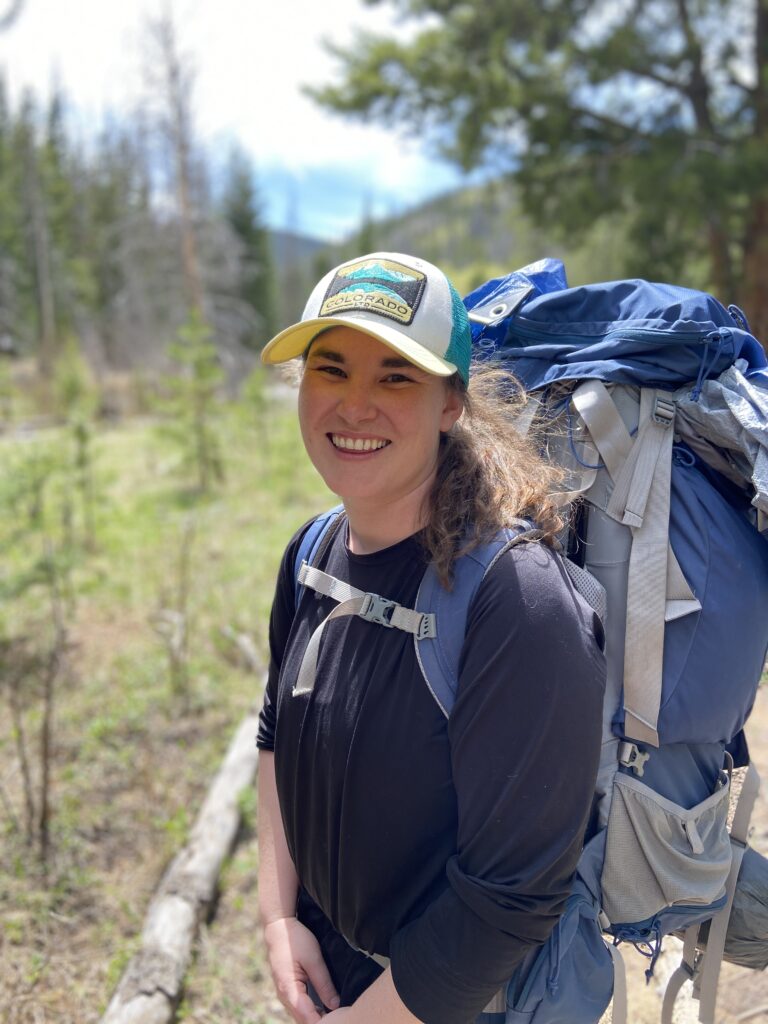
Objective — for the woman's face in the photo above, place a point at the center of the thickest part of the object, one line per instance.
(370, 420)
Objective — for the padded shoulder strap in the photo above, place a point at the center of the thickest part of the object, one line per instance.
(311, 543)
(439, 656)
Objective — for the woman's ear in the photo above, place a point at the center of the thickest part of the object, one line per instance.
(452, 410)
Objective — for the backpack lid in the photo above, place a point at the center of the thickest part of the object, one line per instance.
(628, 332)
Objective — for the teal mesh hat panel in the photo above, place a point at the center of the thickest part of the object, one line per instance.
(460, 346)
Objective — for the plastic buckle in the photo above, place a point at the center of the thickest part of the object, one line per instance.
(377, 609)
(631, 756)
(663, 412)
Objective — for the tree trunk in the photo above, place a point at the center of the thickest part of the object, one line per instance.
(754, 293)
(46, 304)
(178, 104)
(720, 261)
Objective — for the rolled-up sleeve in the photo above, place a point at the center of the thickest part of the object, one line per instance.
(525, 740)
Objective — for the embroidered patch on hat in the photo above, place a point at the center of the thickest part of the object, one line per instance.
(375, 286)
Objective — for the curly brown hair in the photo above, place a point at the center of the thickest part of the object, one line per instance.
(489, 473)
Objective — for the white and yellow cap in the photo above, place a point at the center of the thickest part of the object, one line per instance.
(405, 302)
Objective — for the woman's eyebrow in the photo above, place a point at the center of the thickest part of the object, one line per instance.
(325, 353)
(388, 362)
(393, 362)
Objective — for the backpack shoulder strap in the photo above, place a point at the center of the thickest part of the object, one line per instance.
(438, 656)
(312, 542)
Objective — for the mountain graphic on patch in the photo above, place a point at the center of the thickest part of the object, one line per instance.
(382, 287)
(377, 271)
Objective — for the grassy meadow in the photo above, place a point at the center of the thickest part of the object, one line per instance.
(121, 588)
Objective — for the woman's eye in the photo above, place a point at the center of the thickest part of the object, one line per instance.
(397, 378)
(331, 370)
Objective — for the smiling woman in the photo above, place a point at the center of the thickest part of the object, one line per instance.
(371, 424)
(404, 873)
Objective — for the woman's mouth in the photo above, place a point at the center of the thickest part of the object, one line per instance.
(357, 444)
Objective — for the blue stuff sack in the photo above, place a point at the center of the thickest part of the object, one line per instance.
(569, 980)
(626, 332)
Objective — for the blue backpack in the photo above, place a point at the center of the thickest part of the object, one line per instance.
(654, 399)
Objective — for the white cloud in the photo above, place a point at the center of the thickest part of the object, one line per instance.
(251, 57)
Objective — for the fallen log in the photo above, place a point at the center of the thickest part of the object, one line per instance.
(151, 985)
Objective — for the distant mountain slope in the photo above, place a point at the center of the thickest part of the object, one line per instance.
(290, 248)
(473, 233)
(479, 232)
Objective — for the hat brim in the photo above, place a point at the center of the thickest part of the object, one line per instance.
(293, 341)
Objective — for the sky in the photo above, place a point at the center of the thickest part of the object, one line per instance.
(318, 173)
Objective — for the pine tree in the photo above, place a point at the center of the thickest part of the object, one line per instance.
(32, 196)
(242, 210)
(657, 111)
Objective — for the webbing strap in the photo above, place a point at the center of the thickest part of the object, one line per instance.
(633, 484)
(326, 585)
(305, 681)
(594, 404)
(370, 607)
(713, 958)
(619, 1004)
(498, 1003)
(646, 585)
(745, 805)
(680, 598)
(613, 441)
(709, 976)
(641, 472)
(524, 419)
(685, 972)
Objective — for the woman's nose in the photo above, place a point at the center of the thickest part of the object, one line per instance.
(356, 403)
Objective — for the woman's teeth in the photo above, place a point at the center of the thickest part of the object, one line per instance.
(357, 444)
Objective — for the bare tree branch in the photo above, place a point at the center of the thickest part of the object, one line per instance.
(11, 14)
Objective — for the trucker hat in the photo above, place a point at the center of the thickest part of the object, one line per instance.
(405, 302)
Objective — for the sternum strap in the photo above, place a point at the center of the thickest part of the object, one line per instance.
(352, 601)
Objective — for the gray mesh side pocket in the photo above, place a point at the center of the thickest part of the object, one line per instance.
(659, 854)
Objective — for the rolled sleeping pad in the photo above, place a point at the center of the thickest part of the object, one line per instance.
(746, 941)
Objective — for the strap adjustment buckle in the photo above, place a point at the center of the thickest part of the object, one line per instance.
(427, 629)
(631, 756)
(663, 412)
(377, 609)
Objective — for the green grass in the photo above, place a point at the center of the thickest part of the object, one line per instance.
(132, 758)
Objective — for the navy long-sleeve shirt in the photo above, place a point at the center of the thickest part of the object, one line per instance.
(448, 845)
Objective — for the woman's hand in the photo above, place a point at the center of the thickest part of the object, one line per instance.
(294, 959)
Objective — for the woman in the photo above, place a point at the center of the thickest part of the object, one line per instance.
(410, 861)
